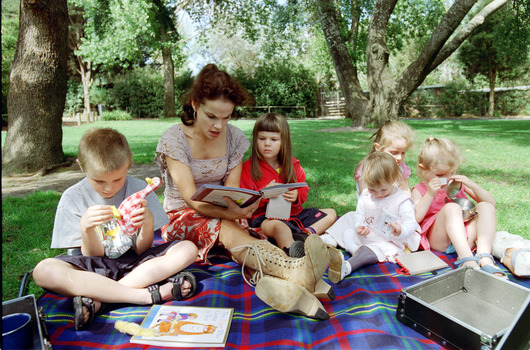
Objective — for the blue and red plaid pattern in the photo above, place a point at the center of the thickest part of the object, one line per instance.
(363, 315)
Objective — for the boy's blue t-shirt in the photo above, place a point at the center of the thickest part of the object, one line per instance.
(77, 199)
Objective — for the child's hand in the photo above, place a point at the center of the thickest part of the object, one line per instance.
(434, 186)
(291, 196)
(464, 179)
(141, 215)
(95, 216)
(363, 230)
(396, 228)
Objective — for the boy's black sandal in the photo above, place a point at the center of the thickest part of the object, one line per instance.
(177, 281)
(78, 303)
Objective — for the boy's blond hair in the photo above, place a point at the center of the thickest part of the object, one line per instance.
(103, 150)
(438, 151)
(380, 169)
(390, 131)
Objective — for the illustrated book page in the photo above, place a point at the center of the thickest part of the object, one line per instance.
(214, 194)
(186, 326)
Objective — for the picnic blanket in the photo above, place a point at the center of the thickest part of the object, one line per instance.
(362, 316)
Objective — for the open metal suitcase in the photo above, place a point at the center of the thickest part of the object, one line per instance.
(464, 309)
(27, 304)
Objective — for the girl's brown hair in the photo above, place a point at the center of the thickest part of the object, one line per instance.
(272, 122)
(380, 169)
(212, 84)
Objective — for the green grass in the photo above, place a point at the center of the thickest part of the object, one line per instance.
(494, 154)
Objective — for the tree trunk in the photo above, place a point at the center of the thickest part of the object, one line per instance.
(384, 104)
(37, 89)
(169, 78)
(387, 94)
(492, 76)
(85, 70)
(356, 102)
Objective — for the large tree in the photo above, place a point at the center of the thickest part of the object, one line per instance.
(387, 92)
(496, 49)
(37, 89)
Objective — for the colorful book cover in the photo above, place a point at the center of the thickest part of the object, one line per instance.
(186, 326)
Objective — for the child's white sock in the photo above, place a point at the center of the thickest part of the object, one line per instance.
(346, 269)
(328, 239)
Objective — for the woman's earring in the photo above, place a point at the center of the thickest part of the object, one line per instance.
(194, 115)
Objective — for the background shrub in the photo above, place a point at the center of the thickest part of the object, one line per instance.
(140, 92)
(281, 84)
(115, 115)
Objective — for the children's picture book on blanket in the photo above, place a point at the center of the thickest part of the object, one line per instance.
(185, 326)
(243, 197)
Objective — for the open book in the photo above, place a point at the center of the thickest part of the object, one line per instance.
(243, 197)
(186, 326)
(419, 262)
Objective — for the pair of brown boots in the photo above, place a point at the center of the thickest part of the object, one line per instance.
(290, 284)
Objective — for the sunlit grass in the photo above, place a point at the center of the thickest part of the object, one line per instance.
(495, 156)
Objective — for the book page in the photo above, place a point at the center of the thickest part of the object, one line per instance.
(276, 190)
(216, 197)
(382, 225)
(179, 326)
(278, 208)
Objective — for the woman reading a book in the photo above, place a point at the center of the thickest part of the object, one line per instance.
(205, 149)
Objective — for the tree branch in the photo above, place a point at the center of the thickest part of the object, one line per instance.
(465, 32)
(417, 71)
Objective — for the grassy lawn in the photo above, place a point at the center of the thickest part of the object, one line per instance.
(494, 154)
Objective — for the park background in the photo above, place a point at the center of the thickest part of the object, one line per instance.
(128, 62)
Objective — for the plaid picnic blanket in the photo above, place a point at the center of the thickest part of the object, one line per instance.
(362, 316)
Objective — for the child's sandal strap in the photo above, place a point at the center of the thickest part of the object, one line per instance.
(485, 255)
(459, 262)
(78, 303)
(155, 294)
(177, 281)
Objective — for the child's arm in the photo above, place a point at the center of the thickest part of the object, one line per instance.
(409, 227)
(93, 217)
(359, 224)
(422, 203)
(476, 192)
(143, 219)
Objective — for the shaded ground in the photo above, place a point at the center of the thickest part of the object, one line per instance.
(62, 178)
